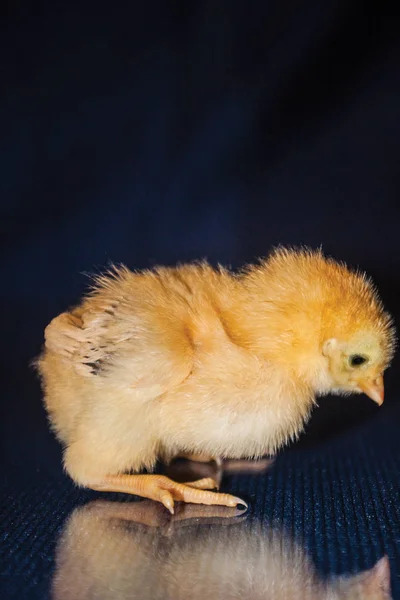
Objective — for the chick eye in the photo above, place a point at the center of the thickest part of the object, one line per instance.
(357, 359)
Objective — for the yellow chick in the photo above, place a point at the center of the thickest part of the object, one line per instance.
(202, 361)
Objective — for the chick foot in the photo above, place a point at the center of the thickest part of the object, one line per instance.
(165, 490)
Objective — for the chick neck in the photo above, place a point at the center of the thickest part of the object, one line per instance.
(282, 324)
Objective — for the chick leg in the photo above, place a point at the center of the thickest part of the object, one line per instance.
(201, 458)
(165, 490)
(248, 466)
(206, 466)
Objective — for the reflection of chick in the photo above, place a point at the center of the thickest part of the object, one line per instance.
(118, 551)
(201, 361)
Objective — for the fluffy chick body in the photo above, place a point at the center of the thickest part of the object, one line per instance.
(199, 360)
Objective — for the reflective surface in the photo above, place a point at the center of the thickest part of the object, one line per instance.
(122, 551)
(322, 523)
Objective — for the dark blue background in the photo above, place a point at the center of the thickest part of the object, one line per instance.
(170, 131)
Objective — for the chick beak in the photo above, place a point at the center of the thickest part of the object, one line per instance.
(374, 389)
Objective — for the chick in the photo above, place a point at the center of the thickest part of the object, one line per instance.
(201, 361)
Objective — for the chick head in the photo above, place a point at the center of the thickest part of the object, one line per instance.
(337, 333)
(357, 364)
(360, 340)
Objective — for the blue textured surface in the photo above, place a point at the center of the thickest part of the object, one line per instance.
(339, 500)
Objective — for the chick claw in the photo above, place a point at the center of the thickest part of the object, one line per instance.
(165, 490)
(195, 492)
